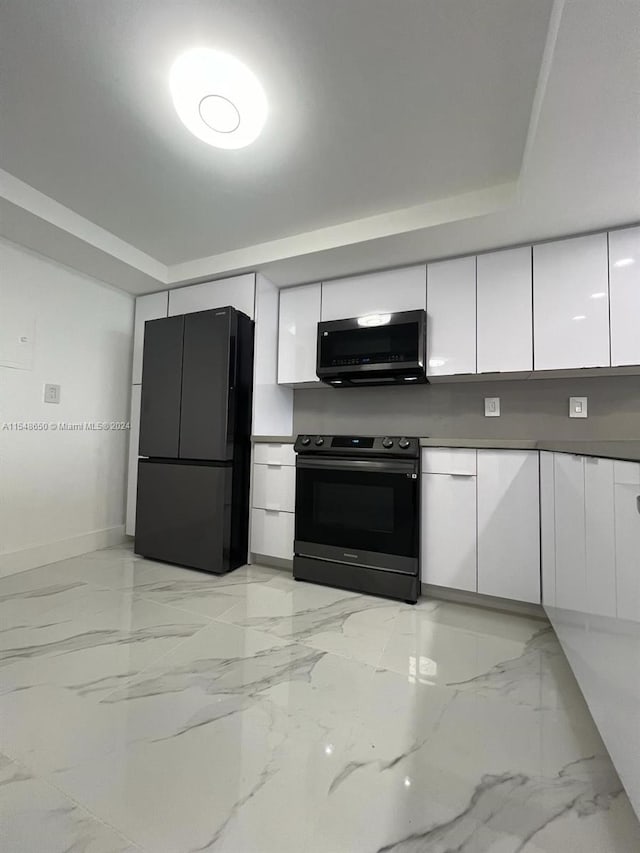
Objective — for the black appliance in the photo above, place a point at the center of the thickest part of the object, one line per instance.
(357, 523)
(195, 432)
(376, 349)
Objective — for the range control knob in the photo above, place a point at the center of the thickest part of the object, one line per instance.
(319, 441)
(387, 442)
(404, 443)
(305, 440)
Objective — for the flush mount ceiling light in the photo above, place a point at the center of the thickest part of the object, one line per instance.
(218, 98)
(374, 320)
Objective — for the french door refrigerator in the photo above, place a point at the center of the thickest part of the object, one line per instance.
(192, 503)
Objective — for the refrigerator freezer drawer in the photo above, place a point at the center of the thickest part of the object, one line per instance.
(184, 514)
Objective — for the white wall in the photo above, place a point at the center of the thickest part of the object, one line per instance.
(61, 492)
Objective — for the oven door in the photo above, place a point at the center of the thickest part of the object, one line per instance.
(363, 512)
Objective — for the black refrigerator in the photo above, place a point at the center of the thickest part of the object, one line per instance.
(192, 503)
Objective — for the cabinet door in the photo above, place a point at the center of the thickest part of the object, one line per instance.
(627, 525)
(508, 524)
(449, 531)
(505, 311)
(451, 317)
(297, 333)
(624, 281)
(161, 387)
(571, 303)
(238, 292)
(205, 406)
(548, 529)
(149, 307)
(132, 474)
(376, 293)
(600, 536)
(570, 532)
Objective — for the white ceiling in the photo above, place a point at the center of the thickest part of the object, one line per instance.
(399, 131)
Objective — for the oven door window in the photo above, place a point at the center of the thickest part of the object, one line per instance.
(375, 345)
(346, 509)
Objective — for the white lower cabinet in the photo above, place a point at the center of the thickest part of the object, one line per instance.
(274, 487)
(508, 524)
(570, 532)
(547, 528)
(272, 533)
(627, 535)
(600, 547)
(449, 534)
(480, 521)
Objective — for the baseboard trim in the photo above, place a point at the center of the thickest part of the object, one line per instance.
(272, 562)
(522, 608)
(13, 562)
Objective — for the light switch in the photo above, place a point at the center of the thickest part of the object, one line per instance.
(578, 407)
(492, 407)
(52, 393)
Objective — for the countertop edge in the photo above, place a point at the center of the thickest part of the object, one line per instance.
(626, 450)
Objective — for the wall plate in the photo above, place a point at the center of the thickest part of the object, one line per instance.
(492, 407)
(578, 407)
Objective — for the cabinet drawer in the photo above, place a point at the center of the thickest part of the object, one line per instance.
(626, 473)
(273, 454)
(272, 533)
(274, 487)
(449, 460)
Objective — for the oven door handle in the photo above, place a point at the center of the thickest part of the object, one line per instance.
(373, 466)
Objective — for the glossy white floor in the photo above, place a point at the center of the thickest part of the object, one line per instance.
(148, 707)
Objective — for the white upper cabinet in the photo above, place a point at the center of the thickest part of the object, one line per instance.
(376, 293)
(451, 313)
(505, 321)
(508, 524)
(571, 303)
(239, 292)
(297, 333)
(149, 307)
(624, 279)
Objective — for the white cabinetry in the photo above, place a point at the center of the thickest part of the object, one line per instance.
(239, 292)
(381, 292)
(451, 317)
(570, 532)
(627, 533)
(505, 322)
(548, 528)
(600, 548)
(449, 534)
(274, 487)
(132, 477)
(273, 500)
(149, 307)
(297, 333)
(624, 280)
(571, 303)
(508, 524)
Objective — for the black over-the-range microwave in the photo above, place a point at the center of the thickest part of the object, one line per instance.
(375, 349)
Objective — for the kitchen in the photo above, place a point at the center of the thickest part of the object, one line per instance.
(370, 546)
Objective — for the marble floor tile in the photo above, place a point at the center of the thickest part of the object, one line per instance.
(154, 708)
(36, 817)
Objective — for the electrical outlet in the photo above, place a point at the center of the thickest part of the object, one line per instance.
(52, 393)
(578, 407)
(492, 407)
